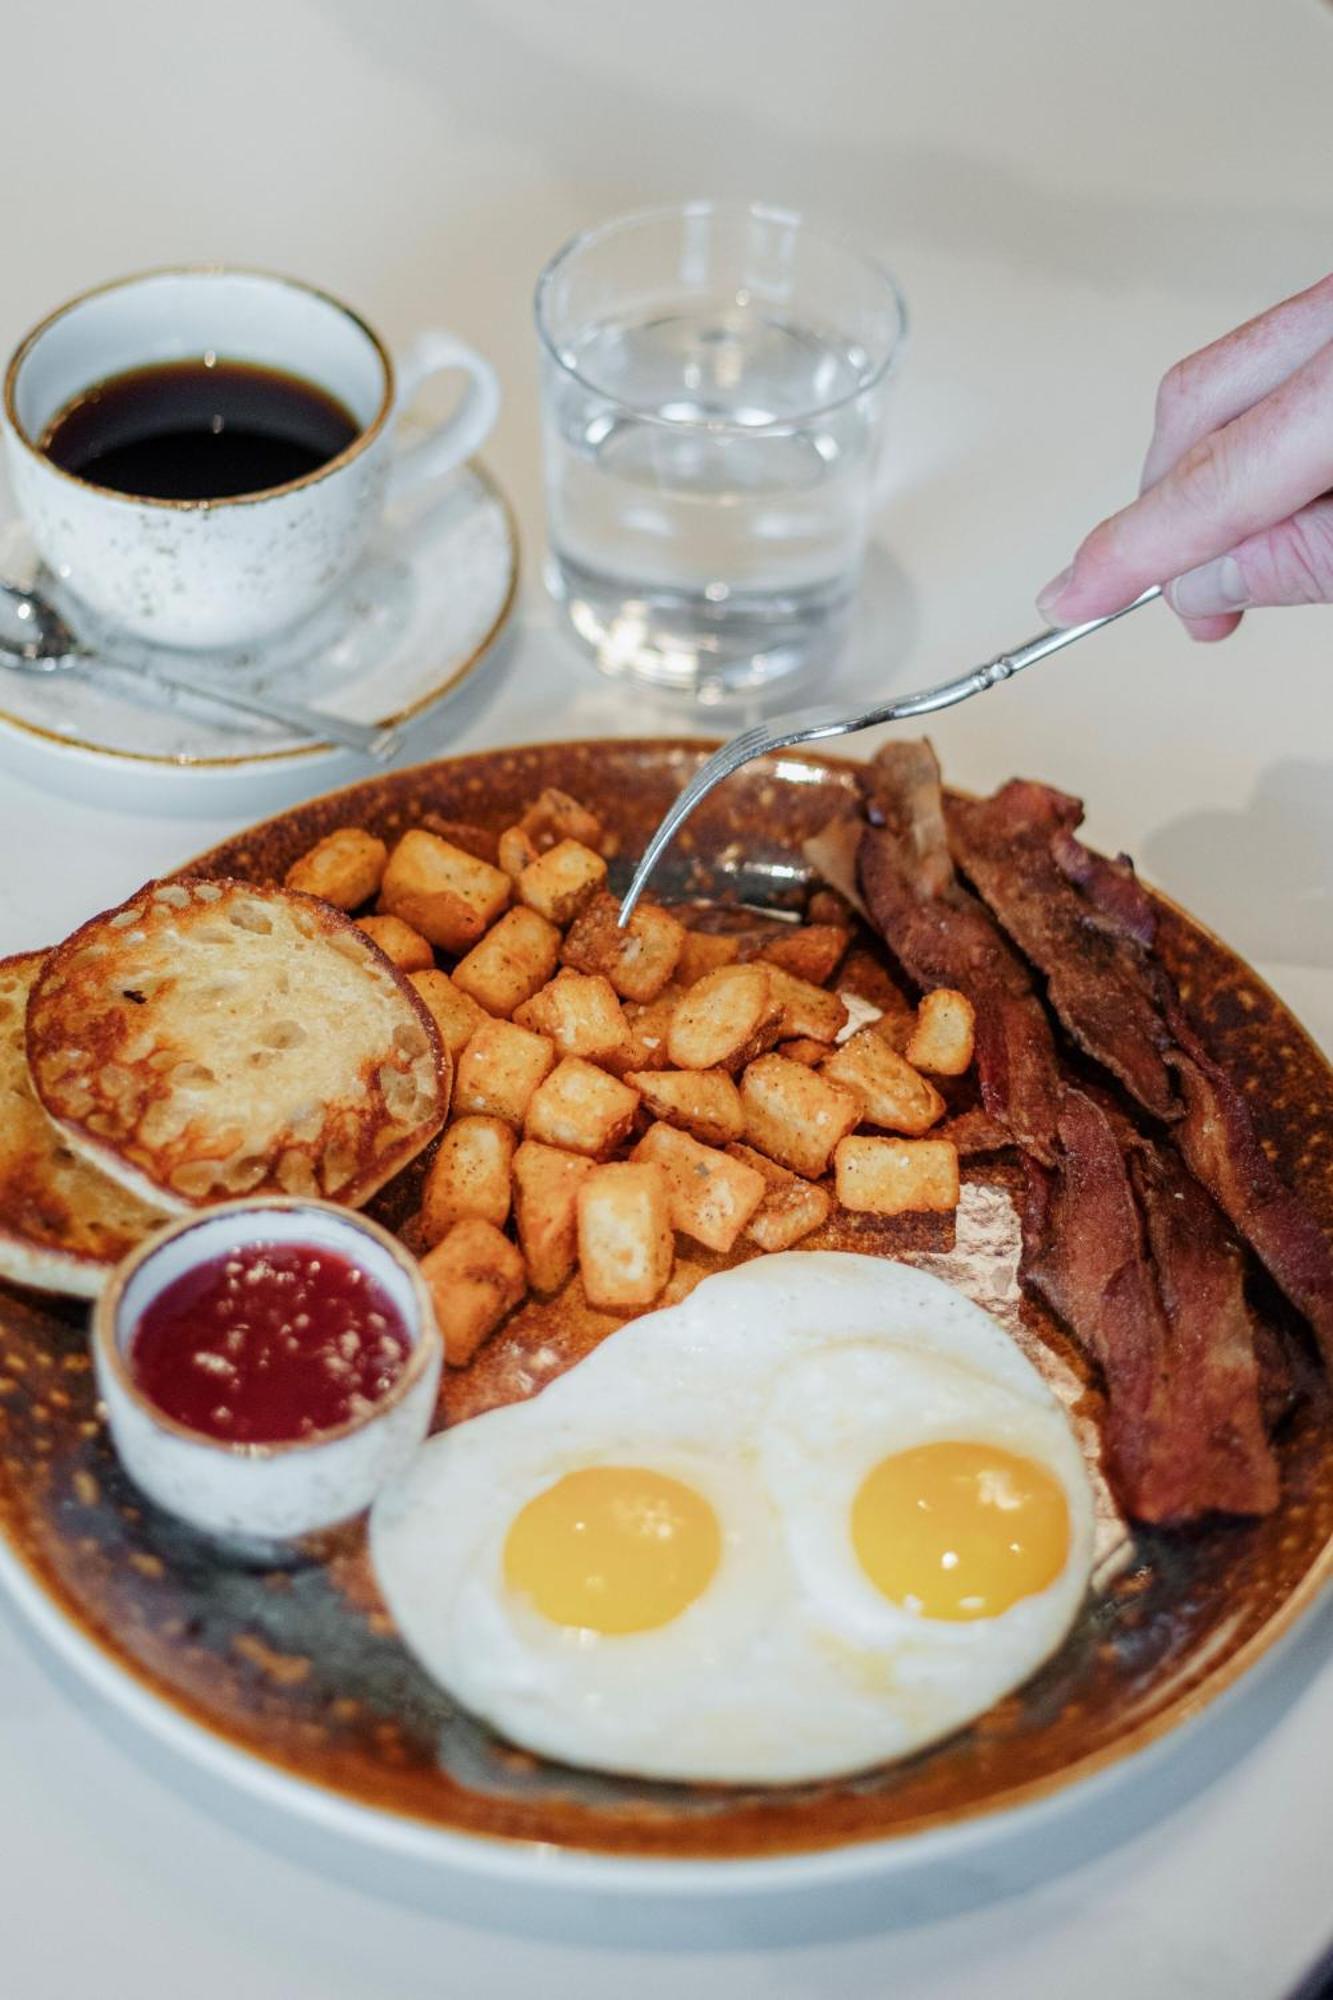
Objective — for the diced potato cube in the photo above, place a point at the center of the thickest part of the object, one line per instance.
(499, 1070)
(791, 1207)
(895, 1176)
(724, 1019)
(448, 895)
(516, 851)
(407, 948)
(515, 958)
(648, 1023)
(345, 868)
(704, 951)
(456, 1015)
(806, 1010)
(555, 816)
(546, 1188)
(476, 840)
(826, 906)
(812, 951)
(638, 960)
(712, 1196)
(581, 1109)
(705, 1102)
(562, 881)
(942, 1038)
(626, 1245)
(468, 1176)
(804, 1051)
(896, 1027)
(581, 1014)
(475, 1276)
(890, 1091)
(795, 1115)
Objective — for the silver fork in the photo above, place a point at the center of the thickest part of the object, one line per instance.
(817, 725)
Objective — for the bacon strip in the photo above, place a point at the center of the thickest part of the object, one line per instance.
(1222, 1149)
(1184, 1432)
(1111, 886)
(1213, 1386)
(942, 936)
(1215, 1134)
(1161, 1313)
(1099, 980)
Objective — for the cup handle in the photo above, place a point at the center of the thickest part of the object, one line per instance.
(450, 442)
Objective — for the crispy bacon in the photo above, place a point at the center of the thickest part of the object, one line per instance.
(942, 936)
(1213, 1387)
(1111, 886)
(1215, 1134)
(1184, 1433)
(1099, 979)
(974, 1132)
(1222, 1149)
(1128, 1250)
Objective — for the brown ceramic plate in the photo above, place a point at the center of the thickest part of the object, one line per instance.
(292, 1682)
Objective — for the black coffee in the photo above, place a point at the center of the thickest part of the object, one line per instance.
(196, 430)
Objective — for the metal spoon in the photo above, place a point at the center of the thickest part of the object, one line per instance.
(817, 725)
(37, 640)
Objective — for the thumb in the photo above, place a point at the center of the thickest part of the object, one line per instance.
(1289, 564)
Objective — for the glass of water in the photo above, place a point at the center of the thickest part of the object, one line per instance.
(714, 379)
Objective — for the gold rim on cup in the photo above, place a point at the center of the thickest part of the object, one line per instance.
(363, 439)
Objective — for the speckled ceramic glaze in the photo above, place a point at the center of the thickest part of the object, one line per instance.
(223, 572)
(254, 1494)
(295, 1684)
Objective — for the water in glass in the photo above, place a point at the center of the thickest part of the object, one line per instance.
(706, 530)
(713, 390)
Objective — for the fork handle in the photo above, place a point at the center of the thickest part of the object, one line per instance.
(1003, 667)
(1065, 635)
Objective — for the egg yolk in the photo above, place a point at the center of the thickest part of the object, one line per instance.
(613, 1548)
(960, 1530)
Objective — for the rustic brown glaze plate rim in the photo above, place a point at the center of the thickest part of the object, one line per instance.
(840, 1857)
(541, 1863)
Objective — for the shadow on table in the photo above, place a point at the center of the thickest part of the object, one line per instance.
(1262, 876)
(995, 1861)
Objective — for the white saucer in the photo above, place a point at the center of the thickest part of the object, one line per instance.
(408, 628)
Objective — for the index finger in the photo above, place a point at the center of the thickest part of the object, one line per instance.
(1229, 376)
(1264, 465)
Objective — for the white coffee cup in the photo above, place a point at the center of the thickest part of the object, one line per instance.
(224, 572)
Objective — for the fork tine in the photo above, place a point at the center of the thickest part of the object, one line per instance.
(742, 749)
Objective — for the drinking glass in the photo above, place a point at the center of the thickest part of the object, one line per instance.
(714, 379)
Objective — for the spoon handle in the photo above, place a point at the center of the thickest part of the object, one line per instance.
(35, 639)
(369, 739)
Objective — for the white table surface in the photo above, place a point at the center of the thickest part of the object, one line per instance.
(1073, 192)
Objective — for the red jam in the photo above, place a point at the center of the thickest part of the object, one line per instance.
(269, 1344)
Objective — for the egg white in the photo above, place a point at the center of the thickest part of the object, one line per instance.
(831, 1419)
(772, 1390)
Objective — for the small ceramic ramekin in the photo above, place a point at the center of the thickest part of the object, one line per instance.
(261, 1494)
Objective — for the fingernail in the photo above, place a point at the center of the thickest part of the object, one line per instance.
(1210, 590)
(1048, 598)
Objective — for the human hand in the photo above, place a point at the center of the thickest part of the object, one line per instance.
(1234, 505)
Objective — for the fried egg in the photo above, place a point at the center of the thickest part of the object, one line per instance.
(812, 1519)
